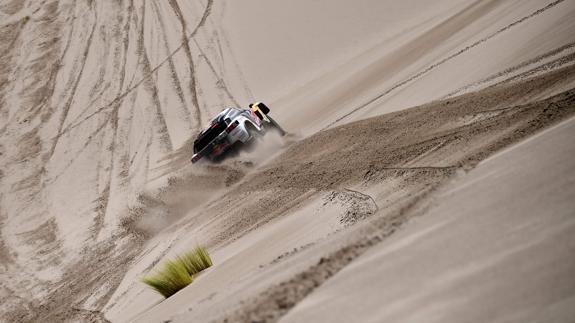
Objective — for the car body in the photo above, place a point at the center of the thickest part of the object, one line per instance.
(230, 127)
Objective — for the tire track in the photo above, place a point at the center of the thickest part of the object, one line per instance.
(222, 36)
(129, 122)
(113, 120)
(9, 44)
(74, 86)
(270, 303)
(45, 106)
(193, 86)
(6, 67)
(37, 94)
(183, 111)
(11, 7)
(144, 160)
(45, 92)
(445, 60)
(220, 81)
(145, 77)
(110, 120)
(126, 43)
(515, 68)
(35, 98)
(94, 135)
(158, 119)
(240, 74)
(133, 21)
(103, 48)
(557, 63)
(31, 83)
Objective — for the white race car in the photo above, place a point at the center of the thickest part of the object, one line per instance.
(230, 127)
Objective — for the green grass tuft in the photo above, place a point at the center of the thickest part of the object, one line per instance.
(196, 260)
(178, 273)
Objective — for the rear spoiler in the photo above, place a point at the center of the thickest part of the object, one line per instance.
(261, 110)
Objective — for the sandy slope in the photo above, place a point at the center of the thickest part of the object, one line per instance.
(347, 176)
(400, 170)
(498, 247)
(93, 95)
(99, 102)
(453, 47)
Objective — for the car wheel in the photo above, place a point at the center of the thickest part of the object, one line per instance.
(276, 126)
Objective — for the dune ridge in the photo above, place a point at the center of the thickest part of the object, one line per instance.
(100, 102)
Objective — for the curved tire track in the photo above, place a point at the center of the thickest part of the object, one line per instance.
(445, 60)
(193, 86)
(146, 76)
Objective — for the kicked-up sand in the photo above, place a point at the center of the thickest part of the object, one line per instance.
(409, 126)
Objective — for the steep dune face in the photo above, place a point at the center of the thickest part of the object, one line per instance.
(453, 47)
(100, 101)
(292, 224)
(92, 95)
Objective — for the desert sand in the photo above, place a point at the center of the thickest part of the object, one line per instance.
(427, 174)
(513, 261)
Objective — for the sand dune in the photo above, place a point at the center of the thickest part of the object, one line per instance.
(495, 215)
(385, 103)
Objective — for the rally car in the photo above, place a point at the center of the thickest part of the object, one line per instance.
(231, 127)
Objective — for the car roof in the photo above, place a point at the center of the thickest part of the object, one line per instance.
(227, 112)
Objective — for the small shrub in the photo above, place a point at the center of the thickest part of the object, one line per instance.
(196, 260)
(176, 274)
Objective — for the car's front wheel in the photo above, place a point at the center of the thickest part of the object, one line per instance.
(276, 126)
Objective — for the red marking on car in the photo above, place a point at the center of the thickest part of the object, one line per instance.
(217, 149)
(231, 127)
(255, 116)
